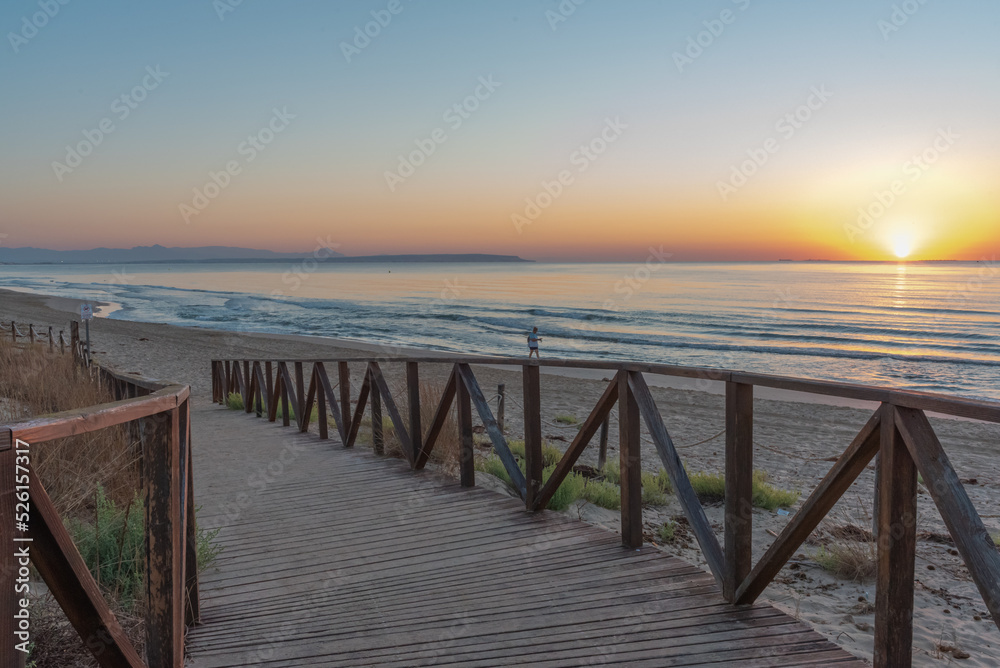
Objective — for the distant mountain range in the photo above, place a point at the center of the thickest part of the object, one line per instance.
(157, 253)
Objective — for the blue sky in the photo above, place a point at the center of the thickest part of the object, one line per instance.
(558, 83)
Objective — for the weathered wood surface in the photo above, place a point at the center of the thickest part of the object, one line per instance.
(339, 558)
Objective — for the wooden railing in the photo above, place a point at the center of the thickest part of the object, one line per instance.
(898, 432)
(34, 336)
(161, 414)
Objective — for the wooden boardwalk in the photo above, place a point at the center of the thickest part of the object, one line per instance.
(335, 557)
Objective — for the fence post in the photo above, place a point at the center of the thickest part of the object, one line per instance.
(897, 544)
(52, 343)
(466, 455)
(531, 398)
(602, 450)
(9, 656)
(13, 330)
(164, 557)
(378, 441)
(31, 334)
(631, 463)
(413, 403)
(62, 343)
(739, 487)
(344, 372)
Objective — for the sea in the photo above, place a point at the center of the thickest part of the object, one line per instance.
(921, 326)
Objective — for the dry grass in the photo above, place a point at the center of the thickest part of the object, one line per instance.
(445, 452)
(73, 471)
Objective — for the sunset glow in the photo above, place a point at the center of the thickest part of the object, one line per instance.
(597, 137)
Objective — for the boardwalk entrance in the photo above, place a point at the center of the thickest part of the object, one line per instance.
(341, 558)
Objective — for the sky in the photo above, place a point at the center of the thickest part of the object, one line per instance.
(549, 129)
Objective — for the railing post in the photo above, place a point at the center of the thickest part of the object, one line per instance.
(532, 398)
(739, 487)
(378, 440)
(344, 372)
(324, 429)
(466, 455)
(164, 558)
(9, 655)
(192, 604)
(897, 540)
(269, 382)
(413, 403)
(300, 395)
(631, 463)
(602, 449)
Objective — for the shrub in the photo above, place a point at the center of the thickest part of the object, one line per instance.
(666, 532)
(612, 472)
(996, 539)
(655, 488)
(445, 452)
(711, 488)
(551, 455)
(851, 560)
(235, 401)
(768, 496)
(112, 546)
(567, 419)
(570, 489)
(603, 493)
(495, 468)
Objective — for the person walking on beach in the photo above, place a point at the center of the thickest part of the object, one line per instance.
(533, 340)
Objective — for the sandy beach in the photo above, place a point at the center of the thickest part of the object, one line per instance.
(795, 441)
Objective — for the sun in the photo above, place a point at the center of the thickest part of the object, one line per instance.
(902, 245)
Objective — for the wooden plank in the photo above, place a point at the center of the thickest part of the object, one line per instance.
(413, 406)
(440, 417)
(164, 559)
(84, 420)
(897, 548)
(359, 411)
(840, 477)
(532, 401)
(466, 455)
(678, 476)
(464, 372)
(981, 410)
(971, 537)
(598, 416)
(344, 373)
(390, 405)
(630, 463)
(324, 380)
(739, 487)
